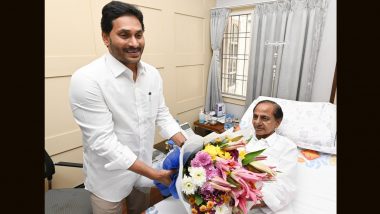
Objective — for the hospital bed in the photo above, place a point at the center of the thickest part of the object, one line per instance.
(312, 126)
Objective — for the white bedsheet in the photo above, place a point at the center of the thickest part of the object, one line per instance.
(170, 205)
(316, 184)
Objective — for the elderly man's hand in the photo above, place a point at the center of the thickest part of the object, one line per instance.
(178, 139)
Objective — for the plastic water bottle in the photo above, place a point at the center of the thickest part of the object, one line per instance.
(202, 116)
(228, 123)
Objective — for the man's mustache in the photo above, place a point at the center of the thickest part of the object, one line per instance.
(131, 49)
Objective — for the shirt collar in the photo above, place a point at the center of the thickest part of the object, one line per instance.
(270, 140)
(117, 68)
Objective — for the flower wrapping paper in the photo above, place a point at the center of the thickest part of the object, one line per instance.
(234, 181)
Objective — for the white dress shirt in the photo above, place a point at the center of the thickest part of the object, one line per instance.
(117, 117)
(282, 153)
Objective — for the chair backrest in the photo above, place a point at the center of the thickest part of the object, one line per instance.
(49, 167)
(64, 200)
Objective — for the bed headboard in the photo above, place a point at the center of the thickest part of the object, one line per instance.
(333, 89)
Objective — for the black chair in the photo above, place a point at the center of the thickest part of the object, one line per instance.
(65, 201)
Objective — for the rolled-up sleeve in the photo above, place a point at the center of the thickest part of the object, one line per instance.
(279, 193)
(95, 120)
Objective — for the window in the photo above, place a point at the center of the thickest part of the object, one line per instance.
(235, 54)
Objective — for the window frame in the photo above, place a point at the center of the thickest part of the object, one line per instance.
(231, 98)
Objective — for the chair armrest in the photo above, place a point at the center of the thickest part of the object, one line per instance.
(69, 164)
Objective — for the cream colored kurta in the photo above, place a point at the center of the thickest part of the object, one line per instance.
(282, 153)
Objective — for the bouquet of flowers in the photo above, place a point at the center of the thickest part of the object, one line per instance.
(219, 177)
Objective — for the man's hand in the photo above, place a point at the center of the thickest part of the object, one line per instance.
(178, 139)
(164, 176)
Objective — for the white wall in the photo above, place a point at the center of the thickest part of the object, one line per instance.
(182, 60)
(324, 74)
(236, 110)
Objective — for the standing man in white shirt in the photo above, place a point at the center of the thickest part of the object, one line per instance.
(281, 152)
(117, 100)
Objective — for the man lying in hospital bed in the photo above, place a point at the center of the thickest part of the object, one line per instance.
(312, 126)
(280, 151)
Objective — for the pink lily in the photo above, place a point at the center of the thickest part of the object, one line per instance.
(242, 176)
(255, 195)
(243, 184)
(219, 187)
(220, 184)
(220, 181)
(222, 164)
(233, 145)
(225, 166)
(223, 169)
(248, 175)
(243, 205)
(239, 199)
(236, 195)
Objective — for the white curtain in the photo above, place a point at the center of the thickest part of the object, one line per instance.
(285, 43)
(218, 22)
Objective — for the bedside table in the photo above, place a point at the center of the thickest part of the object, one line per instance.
(205, 129)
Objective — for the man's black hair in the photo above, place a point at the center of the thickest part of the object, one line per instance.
(278, 114)
(114, 10)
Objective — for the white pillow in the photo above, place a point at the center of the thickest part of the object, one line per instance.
(311, 125)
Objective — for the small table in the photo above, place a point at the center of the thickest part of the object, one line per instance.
(205, 129)
(161, 146)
